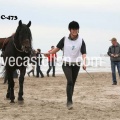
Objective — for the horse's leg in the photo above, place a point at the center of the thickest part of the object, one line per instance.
(21, 81)
(8, 92)
(11, 85)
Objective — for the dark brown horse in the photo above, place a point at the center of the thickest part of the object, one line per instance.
(18, 48)
(3, 42)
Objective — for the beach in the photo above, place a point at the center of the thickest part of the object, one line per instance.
(45, 99)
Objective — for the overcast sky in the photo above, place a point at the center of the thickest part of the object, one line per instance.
(99, 21)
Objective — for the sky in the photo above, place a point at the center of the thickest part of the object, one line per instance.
(98, 20)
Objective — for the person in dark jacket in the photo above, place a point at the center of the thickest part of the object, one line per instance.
(39, 62)
(114, 53)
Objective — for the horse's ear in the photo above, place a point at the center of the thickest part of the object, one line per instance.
(29, 24)
(20, 23)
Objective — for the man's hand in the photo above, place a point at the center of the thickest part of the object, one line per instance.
(116, 55)
(84, 67)
(112, 55)
(46, 54)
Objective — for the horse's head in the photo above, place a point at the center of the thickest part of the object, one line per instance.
(23, 37)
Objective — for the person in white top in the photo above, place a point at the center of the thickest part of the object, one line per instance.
(73, 47)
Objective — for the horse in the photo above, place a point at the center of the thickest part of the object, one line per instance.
(3, 42)
(19, 47)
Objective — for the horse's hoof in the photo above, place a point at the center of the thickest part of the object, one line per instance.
(7, 96)
(20, 102)
(12, 101)
(20, 99)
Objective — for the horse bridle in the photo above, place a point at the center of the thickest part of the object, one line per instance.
(16, 46)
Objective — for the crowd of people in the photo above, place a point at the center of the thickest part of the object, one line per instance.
(38, 58)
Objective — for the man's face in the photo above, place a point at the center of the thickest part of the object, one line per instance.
(114, 42)
(38, 51)
(74, 32)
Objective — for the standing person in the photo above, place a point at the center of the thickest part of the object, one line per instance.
(51, 62)
(33, 57)
(32, 70)
(39, 62)
(114, 53)
(73, 48)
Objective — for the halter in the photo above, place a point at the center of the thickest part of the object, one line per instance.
(16, 46)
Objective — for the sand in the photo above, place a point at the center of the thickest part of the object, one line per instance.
(45, 99)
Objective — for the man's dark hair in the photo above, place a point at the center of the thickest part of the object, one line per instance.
(39, 50)
(52, 46)
(73, 25)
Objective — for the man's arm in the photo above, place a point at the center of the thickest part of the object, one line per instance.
(84, 61)
(83, 51)
(54, 50)
(109, 53)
